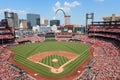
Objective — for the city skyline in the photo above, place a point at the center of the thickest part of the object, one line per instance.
(76, 8)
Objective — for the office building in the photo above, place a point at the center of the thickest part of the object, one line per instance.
(44, 22)
(23, 23)
(33, 20)
(12, 19)
(15, 20)
(114, 17)
(67, 20)
(55, 22)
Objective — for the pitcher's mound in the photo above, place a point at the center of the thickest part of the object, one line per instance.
(54, 60)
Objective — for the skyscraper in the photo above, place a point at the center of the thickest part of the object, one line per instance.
(44, 22)
(33, 20)
(67, 19)
(15, 20)
(12, 19)
(114, 17)
(55, 22)
(23, 23)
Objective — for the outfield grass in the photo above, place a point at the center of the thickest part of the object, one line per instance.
(23, 52)
(49, 39)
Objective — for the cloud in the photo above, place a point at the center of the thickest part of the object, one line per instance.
(57, 4)
(13, 10)
(66, 9)
(67, 6)
(73, 4)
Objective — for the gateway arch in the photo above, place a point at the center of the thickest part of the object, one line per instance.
(67, 17)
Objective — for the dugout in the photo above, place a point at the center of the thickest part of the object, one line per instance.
(24, 42)
(50, 35)
(74, 40)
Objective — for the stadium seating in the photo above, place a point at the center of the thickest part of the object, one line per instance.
(6, 71)
(33, 39)
(107, 53)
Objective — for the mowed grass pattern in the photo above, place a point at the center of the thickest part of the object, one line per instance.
(49, 60)
(23, 52)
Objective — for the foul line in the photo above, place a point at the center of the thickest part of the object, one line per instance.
(72, 59)
(45, 65)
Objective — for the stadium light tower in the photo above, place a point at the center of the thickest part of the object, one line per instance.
(89, 16)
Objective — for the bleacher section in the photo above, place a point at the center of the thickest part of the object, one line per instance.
(6, 35)
(109, 31)
(33, 39)
(63, 36)
(8, 71)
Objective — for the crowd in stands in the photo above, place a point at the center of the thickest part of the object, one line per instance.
(81, 37)
(1, 49)
(107, 62)
(33, 39)
(8, 36)
(76, 36)
(6, 71)
(106, 35)
(99, 28)
(63, 39)
(63, 36)
(6, 33)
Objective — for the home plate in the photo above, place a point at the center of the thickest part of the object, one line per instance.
(35, 74)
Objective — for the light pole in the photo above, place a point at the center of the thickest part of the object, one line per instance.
(88, 16)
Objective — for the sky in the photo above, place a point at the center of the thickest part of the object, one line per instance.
(77, 9)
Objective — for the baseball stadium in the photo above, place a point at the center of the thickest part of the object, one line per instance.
(71, 53)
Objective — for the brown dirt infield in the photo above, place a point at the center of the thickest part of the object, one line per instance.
(41, 77)
(38, 57)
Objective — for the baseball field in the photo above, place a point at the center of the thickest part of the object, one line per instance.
(52, 59)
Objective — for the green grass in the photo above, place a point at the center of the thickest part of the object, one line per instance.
(23, 52)
(49, 39)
